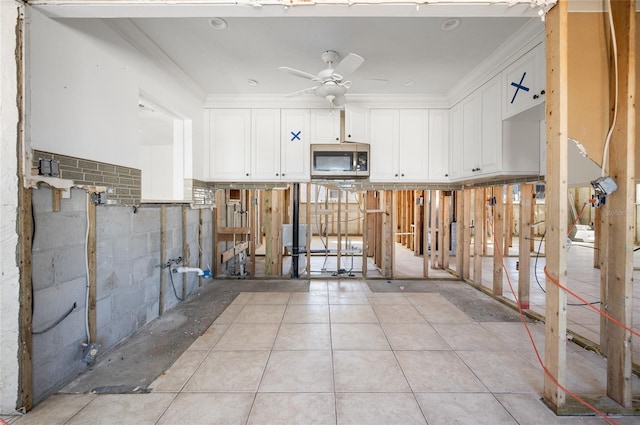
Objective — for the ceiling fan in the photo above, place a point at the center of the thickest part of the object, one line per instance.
(330, 84)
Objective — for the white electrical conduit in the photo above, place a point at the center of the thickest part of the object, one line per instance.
(86, 263)
(605, 153)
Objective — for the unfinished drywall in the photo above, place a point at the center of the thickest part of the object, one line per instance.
(128, 251)
(85, 81)
(9, 276)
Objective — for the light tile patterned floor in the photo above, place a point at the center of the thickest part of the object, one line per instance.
(342, 354)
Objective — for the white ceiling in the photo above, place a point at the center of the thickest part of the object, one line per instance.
(400, 42)
(396, 50)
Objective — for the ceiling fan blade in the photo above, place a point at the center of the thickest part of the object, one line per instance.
(348, 64)
(297, 73)
(339, 100)
(303, 91)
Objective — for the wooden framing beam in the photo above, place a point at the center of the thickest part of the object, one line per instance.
(556, 105)
(56, 196)
(498, 239)
(25, 231)
(163, 257)
(418, 218)
(508, 222)
(459, 205)
(92, 316)
(309, 232)
(216, 225)
(234, 250)
(446, 221)
(478, 234)
(425, 233)
(387, 248)
(524, 254)
(620, 203)
(339, 233)
(433, 223)
(466, 233)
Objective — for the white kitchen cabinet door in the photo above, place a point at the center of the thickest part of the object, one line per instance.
(230, 139)
(356, 124)
(325, 126)
(457, 142)
(471, 134)
(294, 144)
(265, 144)
(384, 145)
(439, 145)
(524, 82)
(413, 145)
(491, 151)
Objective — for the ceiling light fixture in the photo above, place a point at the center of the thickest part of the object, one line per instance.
(450, 24)
(218, 23)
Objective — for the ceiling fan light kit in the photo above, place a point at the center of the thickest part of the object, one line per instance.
(331, 84)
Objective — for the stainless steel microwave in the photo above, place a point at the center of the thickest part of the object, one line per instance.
(340, 160)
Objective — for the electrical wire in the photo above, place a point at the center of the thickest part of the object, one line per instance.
(57, 322)
(605, 152)
(535, 348)
(173, 285)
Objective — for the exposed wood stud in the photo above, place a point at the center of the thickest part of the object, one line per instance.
(466, 235)
(387, 250)
(508, 221)
(433, 222)
(309, 234)
(498, 238)
(25, 230)
(200, 262)
(459, 205)
(425, 233)
(446, 234)
(339, 233)
(418, 221)
(91, 268)
(524, 270)
(620, 203)
(56, 196)
(556, 105)
(478, 235)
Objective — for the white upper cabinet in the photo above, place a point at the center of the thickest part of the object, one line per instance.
(265, 144)
(230, 140)
(294, 145)
(399, 145)
(457, 142)
(439, 145)
(356, 124)
(325, 126)
(471, 134)
(523, 82)
(490, 155)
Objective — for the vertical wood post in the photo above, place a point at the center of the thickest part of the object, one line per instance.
(621, 206)
(309, 232)
(459, 205)
(200, 223)
(524, 254)
(163, 257)
(498, 238)
(387, 234)
(425, 233)
(417, 221)
(91, 263)
(339, 233)
(446, 234)
(478, 235)
(433, 223)
(217, 224)
(25, 230)
(466, 235)
(556, 203)
(486, 229)
(271, 211)
(508, 221)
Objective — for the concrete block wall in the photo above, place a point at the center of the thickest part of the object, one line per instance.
(128, 250)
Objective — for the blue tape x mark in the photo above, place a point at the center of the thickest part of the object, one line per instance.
(519, 86)
(295, 135)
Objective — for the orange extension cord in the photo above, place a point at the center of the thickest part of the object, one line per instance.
(535, 348)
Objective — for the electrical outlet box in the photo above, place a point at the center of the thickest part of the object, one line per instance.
(48, 167)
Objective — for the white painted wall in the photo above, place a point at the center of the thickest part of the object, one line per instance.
(9, 276)
(85, 82)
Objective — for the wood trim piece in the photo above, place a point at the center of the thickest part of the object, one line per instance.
(556, 112)
(91, 263)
